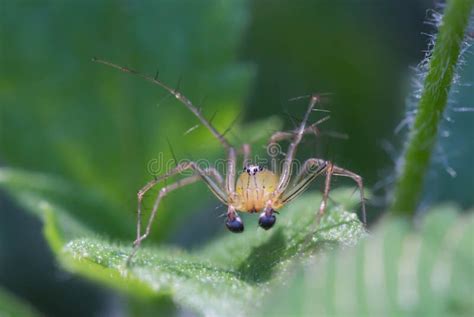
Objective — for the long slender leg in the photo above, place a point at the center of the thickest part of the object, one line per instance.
(216, 189)
(338, 171)
(231, 172)
(162, 193)
(183, 99)
(358, 179)
(211, 171)
(274, 164)
(311, 169)
(287, 163)
(246, 152)
(308, 167)
(287, 135)
(327, 187)
(204, 174)
(274, 150)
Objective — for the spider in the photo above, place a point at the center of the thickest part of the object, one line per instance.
(257, 189)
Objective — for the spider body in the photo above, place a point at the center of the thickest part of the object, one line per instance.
(256, 189)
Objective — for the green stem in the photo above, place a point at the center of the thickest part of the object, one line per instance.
(423, 133)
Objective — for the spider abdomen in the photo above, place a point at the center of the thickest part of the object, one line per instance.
(254, 189)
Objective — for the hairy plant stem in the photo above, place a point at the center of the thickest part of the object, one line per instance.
(423, 133)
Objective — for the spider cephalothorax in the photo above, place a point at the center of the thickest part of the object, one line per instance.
(256, 189)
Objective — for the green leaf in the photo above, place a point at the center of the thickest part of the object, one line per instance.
(12, 306)
(34, 191)
(394, 272)
(228, 276)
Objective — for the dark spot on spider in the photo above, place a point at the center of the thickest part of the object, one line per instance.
(235, 225)
(266, 221)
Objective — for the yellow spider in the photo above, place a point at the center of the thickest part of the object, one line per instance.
(257, 189)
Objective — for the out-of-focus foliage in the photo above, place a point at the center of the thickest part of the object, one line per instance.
(13, 306)
(99, 128)
(396, 272)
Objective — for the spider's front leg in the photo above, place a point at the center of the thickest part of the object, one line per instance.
(291, 152)
(211, 177)
(233, 222)
(246, 151)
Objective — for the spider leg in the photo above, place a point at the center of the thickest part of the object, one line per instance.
(231, 172)
(338, 171)
(312, 168)
(181, 98)
(327, 187)
(215, 185)
(290, 155)
(287, 135)
(246, 152)
(358, 179)
(308, 168)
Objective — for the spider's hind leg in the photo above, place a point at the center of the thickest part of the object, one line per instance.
(338, 171)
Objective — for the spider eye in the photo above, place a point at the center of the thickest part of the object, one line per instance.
(266, 221)
(235, 225)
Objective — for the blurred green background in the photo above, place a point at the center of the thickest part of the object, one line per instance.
(97, 128)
